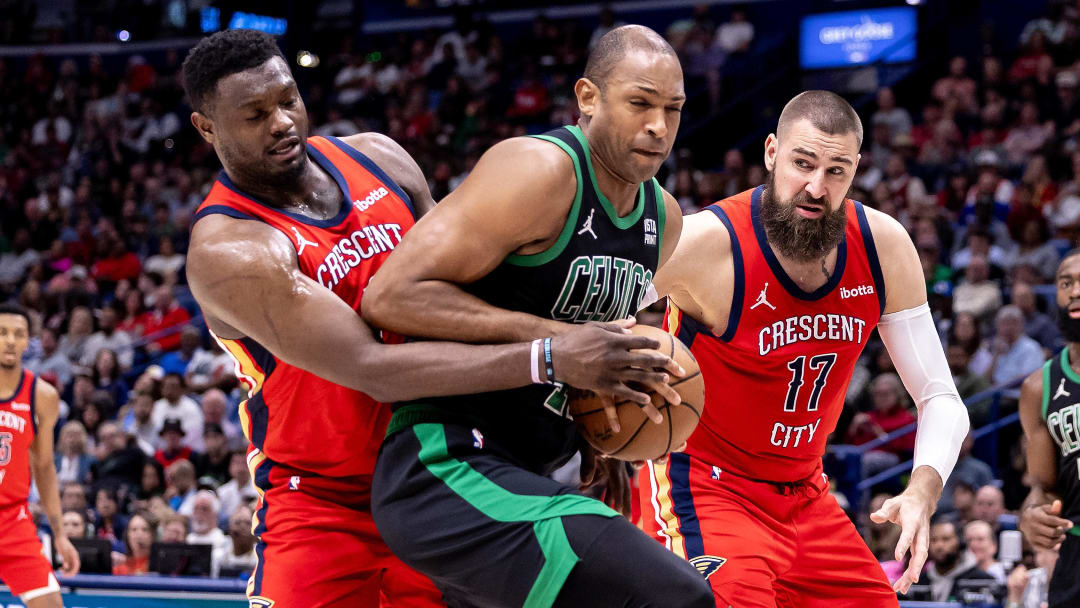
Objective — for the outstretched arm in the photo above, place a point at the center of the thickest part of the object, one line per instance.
(908, 332)
(245, 276)
(46, 408)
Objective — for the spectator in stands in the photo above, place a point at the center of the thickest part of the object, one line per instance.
(140, 534)
(977, 294)
(152, 482)
(736, 35)
(905, 189)
(948, 561)
(990, 188)
(51, 360)
(110, 337)
(1014, 354)
(1038, 325)
(980, 541)
(979, 242)
(1030, 588)
(73, 521)
(237, 553)
(133, 315)
(73, 498)
(175, 529)
(107, 377)
(880, 538)
(607, 23)
(180, 488)
(239, 490)
(214, 406)
(175, 404)
(990, 506)
(80, 326)
(210, 368)
(1028, 136)
(177, 361)
(1035, 249)
(204, 521)
(897, 119)
(166, 314)
(14, 264)
(167, 261)
(136, 420)
(109, 524)
(95, 412)
(213, 461)
(118, 264)
(72, 460)
(119, 459)
(172, 444)
(967, 382)
(956, 89)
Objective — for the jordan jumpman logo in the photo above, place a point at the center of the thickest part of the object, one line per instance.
(301, 242)
(761, 298)
(1061, 392)
(587, 226)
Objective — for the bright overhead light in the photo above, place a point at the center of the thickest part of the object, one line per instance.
(307, 59)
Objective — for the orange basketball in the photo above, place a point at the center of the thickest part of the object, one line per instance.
(640, 438)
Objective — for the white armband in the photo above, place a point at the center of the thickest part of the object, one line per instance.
(915, 348)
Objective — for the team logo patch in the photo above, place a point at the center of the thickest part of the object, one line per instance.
(260, 602)
(478, 439)
(707, 565)
(20, 407)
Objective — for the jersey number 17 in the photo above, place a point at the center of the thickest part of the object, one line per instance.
(822, 364)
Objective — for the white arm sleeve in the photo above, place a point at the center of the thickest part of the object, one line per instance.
(915, 348)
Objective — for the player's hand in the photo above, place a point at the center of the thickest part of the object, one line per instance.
(1042, 526)
(69, 557)
(911, 511)
(610, 361)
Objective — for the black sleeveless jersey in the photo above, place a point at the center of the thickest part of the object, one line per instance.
(598, 270)
(1061, 411)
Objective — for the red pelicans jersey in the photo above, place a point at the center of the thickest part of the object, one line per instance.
(777, 377)
(18, 426)
(292, 416)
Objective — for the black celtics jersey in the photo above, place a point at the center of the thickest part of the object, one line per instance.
(598, 270)
(1061, 411)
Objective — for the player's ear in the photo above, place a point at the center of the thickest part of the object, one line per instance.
(588, 95)
(204, 126)
(771, 145)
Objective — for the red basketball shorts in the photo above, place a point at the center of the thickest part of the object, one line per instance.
(318, 546)
(23, 567)
(761, 544)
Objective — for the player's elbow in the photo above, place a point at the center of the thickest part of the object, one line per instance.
(379, 301)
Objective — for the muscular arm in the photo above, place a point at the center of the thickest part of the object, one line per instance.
(244, 275)
(398, 164)
(515, 200)
(705, 296)
(47, 407)
(1041, 451)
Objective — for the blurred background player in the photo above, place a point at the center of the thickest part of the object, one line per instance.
(28, 411)
(282, 250)
(568, 227)
(777, 290)
(1050, 415)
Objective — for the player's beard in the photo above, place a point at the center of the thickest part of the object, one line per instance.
(1070, 328)
(798, 238)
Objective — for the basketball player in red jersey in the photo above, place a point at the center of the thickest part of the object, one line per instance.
(776, 290)
(281, 252)
(28, 414)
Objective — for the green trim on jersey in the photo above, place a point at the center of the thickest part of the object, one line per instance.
(621, 223)
(543, 257)
(1065, 367)
(661, 221)
(498, 503)
(1046, 386)
(1075, 530)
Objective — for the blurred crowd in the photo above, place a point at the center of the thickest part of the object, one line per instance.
(100, 175)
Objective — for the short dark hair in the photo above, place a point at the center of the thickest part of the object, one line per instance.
(826, 110)
(15, 309)
(616, 44)
(1071, 253)
(220, 55)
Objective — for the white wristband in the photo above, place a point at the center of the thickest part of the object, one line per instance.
(534, 360)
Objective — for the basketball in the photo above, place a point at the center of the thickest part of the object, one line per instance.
(640, 438)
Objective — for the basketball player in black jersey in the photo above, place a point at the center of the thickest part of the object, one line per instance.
(1050, 415)
(567, 227)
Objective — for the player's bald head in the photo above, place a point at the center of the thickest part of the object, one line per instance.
(617, 44)
(826, 111)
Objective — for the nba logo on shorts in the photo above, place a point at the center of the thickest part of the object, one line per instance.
(478, 439)
(716, 473)
(294, 482)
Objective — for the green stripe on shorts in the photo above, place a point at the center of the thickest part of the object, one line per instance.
(499, 504)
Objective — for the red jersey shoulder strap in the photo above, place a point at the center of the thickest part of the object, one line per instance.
(24, 393)
(870, 251)
(340, 154)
